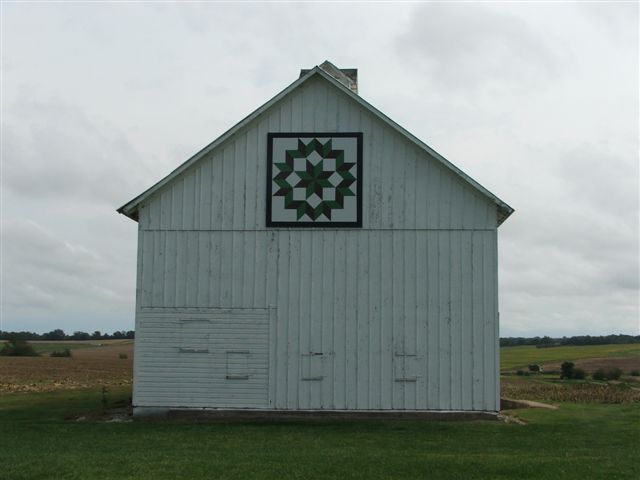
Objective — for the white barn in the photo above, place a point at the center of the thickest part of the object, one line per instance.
(317, 256)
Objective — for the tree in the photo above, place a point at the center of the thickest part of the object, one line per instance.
(16, 347)
(80, 336)
(567, 370)
(56, 334)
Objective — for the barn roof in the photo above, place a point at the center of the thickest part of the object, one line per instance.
(331, 74)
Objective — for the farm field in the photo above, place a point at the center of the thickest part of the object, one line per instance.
(547, 387)
(103, 362)
(53, 424)
(44, 347)
(513, 358)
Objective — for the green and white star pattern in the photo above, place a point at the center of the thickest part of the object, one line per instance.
(314, 179)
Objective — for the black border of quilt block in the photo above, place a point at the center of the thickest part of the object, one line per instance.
(307, 224)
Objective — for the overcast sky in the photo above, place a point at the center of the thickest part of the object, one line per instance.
(537, 101)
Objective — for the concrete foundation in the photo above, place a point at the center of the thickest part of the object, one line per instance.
(247, 415)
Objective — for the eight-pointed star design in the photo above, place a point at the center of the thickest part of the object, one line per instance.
(314, 179)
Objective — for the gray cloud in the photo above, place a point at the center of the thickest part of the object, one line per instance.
(573, 243)
(43, 272)
(54, 150)
(618, 19)
(604, 180)
(469, 46)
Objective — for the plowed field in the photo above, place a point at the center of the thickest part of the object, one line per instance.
(108, 364)
(590, 365)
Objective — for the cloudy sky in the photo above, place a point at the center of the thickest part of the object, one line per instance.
(536, 101)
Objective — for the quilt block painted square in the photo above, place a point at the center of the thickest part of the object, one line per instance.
(314, 180)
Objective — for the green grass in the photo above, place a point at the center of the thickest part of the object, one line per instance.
(512, 358)
(585, 441)
(45, 348)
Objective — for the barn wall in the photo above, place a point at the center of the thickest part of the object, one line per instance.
(400, 314)
(379, 306)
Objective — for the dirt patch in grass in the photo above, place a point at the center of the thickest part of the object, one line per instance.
(119, 411)
(89, 366)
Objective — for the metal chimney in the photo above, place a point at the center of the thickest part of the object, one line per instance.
(347, 76)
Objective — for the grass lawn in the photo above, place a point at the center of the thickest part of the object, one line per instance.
(576, 441)
(512, 358)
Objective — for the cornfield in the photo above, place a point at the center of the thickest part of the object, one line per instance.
(582, 392)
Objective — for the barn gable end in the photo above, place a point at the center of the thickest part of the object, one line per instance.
(313, 105)
(398, 314)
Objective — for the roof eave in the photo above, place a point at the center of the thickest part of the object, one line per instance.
(131, 212)
(504, 211)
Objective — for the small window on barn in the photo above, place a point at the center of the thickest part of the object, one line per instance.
(237, 365)
(312, 366)
(194, 336)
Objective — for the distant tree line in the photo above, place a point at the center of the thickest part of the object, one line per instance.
(577, 340)
(59, 334)
(545, 341)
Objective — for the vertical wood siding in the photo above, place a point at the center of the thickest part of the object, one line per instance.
(400, 314)
(363, 301)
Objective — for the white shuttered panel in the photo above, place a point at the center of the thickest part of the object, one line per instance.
(193, 358)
